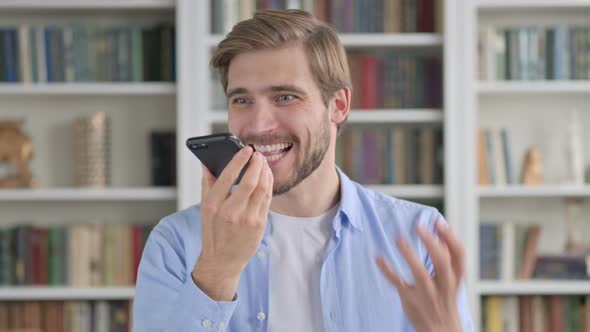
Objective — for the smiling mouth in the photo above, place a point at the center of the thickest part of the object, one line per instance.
(274, 152)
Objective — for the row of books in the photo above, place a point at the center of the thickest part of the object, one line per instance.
(494, 153)
(87, 53)
(78, 255)
(71, 316)
(226, 13)
(535, 313)
(392, 155)
(393, 80)
(382, 80)
(535, 53)
(389, 16)
(509, 251)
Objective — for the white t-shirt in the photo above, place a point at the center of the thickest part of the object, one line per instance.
(297, 247)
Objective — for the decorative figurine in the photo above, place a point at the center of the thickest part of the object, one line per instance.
(532, 173)
(16, 149)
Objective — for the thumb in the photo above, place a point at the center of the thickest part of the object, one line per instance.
(207, 181)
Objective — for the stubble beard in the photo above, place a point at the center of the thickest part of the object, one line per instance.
(312, 159)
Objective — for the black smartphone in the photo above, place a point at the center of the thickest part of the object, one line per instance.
(216, 151)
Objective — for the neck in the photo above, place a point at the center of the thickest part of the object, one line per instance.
(317, 194)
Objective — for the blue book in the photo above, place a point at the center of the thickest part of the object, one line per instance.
(561, 51)
(490, 155)
(389, 162)
(489, 251)
(48, 57)
(10, 55)
(34, 53)
(510, 179)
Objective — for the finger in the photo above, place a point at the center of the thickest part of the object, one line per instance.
(439, 254)
(421, 277)
(207, 181)
(456, 250)
(259, 198)
(229, 175)
(393, 277)
(268, 190)
(248, 183)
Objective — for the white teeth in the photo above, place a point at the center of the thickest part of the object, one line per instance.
(275, 157)
(270, 148)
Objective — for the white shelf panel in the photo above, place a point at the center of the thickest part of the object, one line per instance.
(534, 87)
(377, 40)
(532, 191)
(411, 191)
(88, 89)
(25, 293)
(396, 116)
(86, 4)
(75, 194)
(372, 116)
(532, 4)
(534, 287)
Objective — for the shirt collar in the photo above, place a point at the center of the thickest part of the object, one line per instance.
(350, 202)
(349, 206)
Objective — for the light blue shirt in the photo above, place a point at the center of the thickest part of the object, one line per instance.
(355, 296)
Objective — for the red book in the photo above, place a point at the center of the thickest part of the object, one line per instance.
(34, 260)
(426, 16)
(525, 306)
(369, 84)
(556, 314)
(136, 233)
(43, 235)
(530, 251)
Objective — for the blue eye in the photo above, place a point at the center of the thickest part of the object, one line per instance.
(240, 100)
(286, 97)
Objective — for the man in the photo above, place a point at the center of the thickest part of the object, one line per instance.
(293, 246)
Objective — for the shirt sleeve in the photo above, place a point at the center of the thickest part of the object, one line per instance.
(166, 297)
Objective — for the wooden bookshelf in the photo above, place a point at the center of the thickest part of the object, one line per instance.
(356, 40)
(33, 5)
(86, 89)
(533, 87)
(77, 194)
(558, 191)
(371, 116)
(534, 287)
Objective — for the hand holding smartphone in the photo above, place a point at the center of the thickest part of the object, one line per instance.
(232, 221)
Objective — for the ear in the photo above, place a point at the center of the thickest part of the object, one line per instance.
(340, 105)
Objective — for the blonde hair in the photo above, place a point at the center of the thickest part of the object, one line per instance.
(275, 28)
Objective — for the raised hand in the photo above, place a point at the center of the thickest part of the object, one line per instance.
(431, 301)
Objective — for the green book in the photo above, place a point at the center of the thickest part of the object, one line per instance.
(6, 257)
(56, 256)
(136, 54)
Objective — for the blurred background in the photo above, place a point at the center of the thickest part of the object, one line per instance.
(476, 107)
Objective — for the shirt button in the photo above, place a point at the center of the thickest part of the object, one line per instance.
(206, 323)
(332, 315)
(220, 326)
(261, 254)
(261, 316)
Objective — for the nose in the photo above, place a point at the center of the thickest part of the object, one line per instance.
(263, 119)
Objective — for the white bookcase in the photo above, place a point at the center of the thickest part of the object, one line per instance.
(536, 113)
(185, 106)
(49, 110)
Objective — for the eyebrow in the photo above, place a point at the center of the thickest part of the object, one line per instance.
(274, 88)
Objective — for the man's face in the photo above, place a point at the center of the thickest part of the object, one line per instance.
(275, 104)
